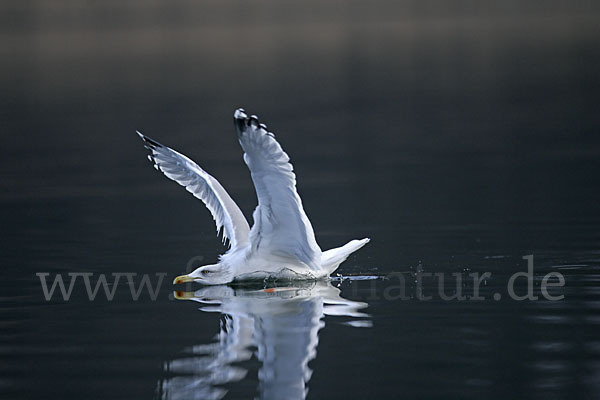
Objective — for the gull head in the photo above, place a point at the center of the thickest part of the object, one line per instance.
(213, 274)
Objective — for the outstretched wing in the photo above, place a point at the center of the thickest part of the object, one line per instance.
(281, 227)
(225, 212)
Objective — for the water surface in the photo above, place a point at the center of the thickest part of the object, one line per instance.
(459, 137)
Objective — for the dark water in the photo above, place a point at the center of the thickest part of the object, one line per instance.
(460, 136)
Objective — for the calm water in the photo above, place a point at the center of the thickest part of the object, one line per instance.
(460, 137)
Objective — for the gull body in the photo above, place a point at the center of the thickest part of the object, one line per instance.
(281, 241)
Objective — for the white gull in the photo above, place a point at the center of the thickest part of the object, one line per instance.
(282, 242)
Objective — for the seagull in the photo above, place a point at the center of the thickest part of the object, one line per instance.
(281, 244)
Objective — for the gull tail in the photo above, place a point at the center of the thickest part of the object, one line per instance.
(331, 259)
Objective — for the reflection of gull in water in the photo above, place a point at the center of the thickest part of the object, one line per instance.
(282, 324)
(282, 241)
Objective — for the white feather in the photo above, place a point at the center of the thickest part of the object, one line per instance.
(227, 215)
(281, 242)
(281, 228)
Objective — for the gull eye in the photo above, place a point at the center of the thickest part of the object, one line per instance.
(205, 272)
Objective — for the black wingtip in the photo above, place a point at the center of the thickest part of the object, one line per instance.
(242, 121)
(151, 142)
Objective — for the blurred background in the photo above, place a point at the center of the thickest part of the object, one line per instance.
(461, 110)
(447, 131)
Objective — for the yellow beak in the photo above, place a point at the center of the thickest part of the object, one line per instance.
(181, 295)
(183, 279)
